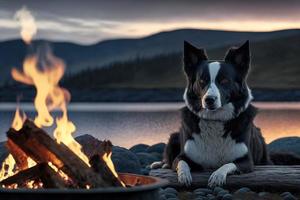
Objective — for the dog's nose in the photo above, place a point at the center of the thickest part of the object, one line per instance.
(210, 100)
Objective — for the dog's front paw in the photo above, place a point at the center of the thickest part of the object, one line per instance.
(218, 178)
(184, 173)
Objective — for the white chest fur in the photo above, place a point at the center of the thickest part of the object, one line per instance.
(210, 149)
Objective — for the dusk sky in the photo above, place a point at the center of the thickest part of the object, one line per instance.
(92, 21)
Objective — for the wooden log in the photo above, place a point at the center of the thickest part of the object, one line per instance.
(40, 172)
(101, 167)
(39, 146)
(268, 178)
(19, 156)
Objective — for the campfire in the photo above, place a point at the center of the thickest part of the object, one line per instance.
(37, 160)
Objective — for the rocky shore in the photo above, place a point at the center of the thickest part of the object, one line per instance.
(138, 158)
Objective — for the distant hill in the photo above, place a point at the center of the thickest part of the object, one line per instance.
(80, 57)
(276, 65)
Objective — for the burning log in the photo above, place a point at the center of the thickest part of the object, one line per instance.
(19, 156)
(41, 172)
(39, 146)
(101, 167)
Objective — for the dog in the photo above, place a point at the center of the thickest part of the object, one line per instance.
(217, 129)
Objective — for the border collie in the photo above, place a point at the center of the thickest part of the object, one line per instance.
(217, 131)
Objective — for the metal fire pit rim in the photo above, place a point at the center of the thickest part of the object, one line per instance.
(159, 182)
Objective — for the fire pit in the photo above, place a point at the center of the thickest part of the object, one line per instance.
(147, 188)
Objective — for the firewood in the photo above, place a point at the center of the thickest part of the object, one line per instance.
(100, 166)
(39, 146)
(19, 156)
(40, 172)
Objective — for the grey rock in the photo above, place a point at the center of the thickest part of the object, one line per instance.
(288, 196)
(242, 190)
(123, 159)
(227, 197)
(170, 195)
(286, 144)
(139, 148)
(217, 190)
(199, 193)
(158, 148)
(211, 196)
(171, 190)
(263, 194)
(146, 158)
(221, 194)
(205, 190)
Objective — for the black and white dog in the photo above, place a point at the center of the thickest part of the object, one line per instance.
(217, 130)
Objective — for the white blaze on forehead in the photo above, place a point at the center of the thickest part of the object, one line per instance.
(213, 69)
(213, 90)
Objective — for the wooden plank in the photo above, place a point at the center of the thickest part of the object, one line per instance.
(269, 178)
(39, 146)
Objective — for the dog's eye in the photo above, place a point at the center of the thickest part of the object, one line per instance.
(224, 81)
(201, 81)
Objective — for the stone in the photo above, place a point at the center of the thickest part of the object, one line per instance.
(146, 158)
(217, 190)
(242, 190)
(227, 197)
(171, 190)
(205, 190)
(170, 195)
(139, 148)
(288, 196)
(158, 148)
(286, 144)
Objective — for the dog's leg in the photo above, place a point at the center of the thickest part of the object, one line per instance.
(184, 173)
(240, 165)
(218, 177)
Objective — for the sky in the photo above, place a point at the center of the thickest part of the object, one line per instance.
(91, 21)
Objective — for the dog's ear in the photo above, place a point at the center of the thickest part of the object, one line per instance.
(240, 58)
(191, 57)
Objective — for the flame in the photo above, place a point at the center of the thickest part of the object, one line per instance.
(107, 159)
(7, 168)
(50, 96)
(18, 120)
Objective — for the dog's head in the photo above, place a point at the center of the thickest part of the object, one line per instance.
(217, 90)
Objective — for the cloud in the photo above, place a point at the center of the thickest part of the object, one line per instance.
(91, 21)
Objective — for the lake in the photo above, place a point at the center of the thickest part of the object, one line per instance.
(126, 124)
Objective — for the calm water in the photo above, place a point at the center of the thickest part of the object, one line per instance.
(129, 124)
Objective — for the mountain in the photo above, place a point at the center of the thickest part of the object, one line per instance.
(80, 57)
(275, 65)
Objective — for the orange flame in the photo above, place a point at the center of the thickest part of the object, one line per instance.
(107, 159)
(18, 120)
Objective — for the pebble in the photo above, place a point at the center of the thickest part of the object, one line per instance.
(171, 190)
(205, 190)
(170, 195)
(227, 197)
(242, 190)
(221, 194)
(217, 190)
(263, 194)
(173, 198)
(211, 197)
(288, 196)
(199, 194)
